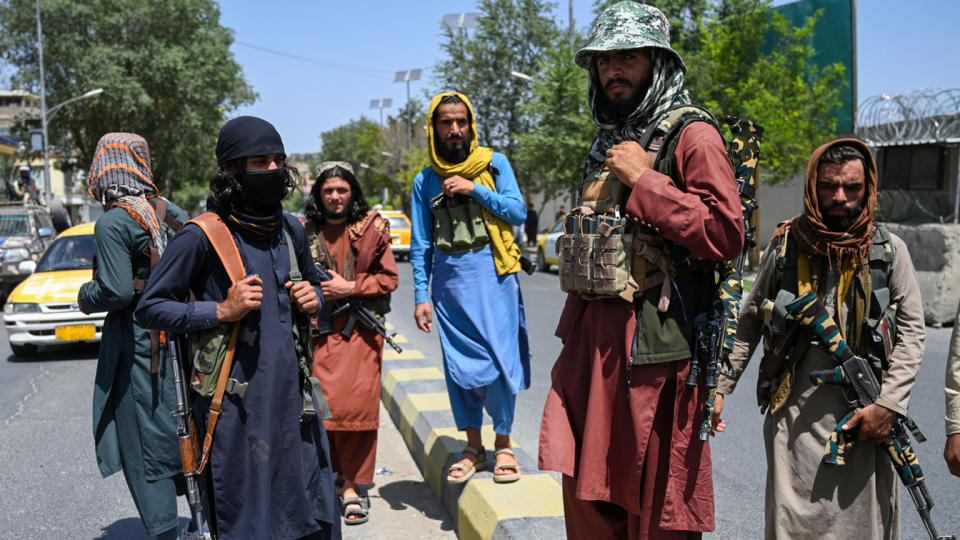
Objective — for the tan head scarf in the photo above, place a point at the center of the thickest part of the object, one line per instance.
(813, 236)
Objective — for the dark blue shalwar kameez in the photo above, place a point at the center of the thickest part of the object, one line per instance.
(271, 474)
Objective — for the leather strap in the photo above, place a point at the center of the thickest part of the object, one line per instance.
(220, 238)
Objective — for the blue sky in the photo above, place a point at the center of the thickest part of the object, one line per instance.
(356, 47)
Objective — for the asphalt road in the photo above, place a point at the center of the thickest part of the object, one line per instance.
(738, 456)
(52, 489)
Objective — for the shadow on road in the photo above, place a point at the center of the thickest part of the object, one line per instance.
(82, 351)
(407, 493)
(130, 529)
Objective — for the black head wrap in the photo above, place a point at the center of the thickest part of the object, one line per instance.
(247, 136)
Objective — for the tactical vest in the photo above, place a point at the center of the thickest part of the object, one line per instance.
(870, 328)
(379, 305)
(604, 255)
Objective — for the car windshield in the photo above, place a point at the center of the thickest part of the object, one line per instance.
(558, 227)
(14, 225)
(398, 223)
(69, 253)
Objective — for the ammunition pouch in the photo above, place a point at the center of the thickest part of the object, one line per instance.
(208, 350)
(595, 255)
(459, 225)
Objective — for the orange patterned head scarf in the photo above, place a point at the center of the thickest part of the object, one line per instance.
(120, 175)
(812, 234)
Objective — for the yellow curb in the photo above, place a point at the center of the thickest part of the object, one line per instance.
(399, 338)
(413, 404)
(407, 354)
(396, 376)
(389, 326)
(484, 503)
(445, 441)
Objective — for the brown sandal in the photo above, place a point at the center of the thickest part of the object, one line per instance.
(480, 461)
(515, 467)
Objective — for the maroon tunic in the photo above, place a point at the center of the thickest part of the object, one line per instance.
(349, 369)
(591, 432)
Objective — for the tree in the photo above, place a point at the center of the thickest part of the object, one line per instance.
(165, 67)
(356, 142)
(753, 63)
(553, 152)
(512, 36)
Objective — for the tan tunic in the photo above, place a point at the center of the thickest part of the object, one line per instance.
(953, 380)
(804, 497)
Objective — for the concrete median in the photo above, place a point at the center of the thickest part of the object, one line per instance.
(415, 395)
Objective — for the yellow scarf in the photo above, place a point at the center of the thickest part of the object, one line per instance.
(506, 252)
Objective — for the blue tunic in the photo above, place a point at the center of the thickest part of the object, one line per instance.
(483, 330)
(271, 474)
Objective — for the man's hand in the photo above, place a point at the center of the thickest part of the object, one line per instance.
(243, 297)
(951, 452)
(718, 424)
(875, 422)
(423, 314)
(303, 295)
(628, 160)
(457, 185)
(337, 287)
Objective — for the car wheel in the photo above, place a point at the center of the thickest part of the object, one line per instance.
(542, 264)
(58, 215)
(23, 350)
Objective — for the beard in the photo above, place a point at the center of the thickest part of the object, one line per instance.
(330, 214)
(617, 110)
(450, 151)
(841, 223)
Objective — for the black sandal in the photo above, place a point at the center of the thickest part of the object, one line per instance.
(363, 514)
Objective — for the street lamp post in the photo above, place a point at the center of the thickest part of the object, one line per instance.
(407, 76)
(381, 104)
(45, 117)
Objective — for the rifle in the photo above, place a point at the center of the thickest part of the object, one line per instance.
(855, 372)
(357, 313)
(187, 436)
(713, 337)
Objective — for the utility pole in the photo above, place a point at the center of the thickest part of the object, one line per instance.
(43, 109)
(572, 44)
(407, 76)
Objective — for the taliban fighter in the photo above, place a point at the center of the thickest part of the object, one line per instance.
(474, 268)
(269, 465)
(133, 392)
(620, 421)
(864, 277)
(353, 243)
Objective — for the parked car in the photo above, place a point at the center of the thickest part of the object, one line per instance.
(547, 252)
(42, 310)
(25, 232)
(399, 233)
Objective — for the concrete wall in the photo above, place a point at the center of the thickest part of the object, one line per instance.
(935, 251)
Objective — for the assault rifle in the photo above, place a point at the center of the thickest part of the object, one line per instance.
(357, 313)
(187, 436)
(713, 336)
(855, 373)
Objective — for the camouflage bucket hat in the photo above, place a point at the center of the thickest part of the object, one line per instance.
(628, 25)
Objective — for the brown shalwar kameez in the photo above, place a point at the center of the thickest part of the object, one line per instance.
(641, 453)
(349, 369)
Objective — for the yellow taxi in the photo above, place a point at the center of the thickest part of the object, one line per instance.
(42, 310)
(399, 233)
(547, 250)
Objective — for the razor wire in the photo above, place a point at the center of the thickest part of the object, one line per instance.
(926, 116)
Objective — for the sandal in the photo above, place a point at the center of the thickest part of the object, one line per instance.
(480, 461)
(515, 467)
(362, 515)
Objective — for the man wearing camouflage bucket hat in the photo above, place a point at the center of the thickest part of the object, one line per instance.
(658, 192)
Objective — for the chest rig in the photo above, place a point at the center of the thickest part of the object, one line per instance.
(605, 254)
(870, 328)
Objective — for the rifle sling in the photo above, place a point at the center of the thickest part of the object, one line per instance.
(222, 241)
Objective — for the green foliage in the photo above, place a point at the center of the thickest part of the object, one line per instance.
(356, 142)
(165, 67)
(512, 36)
(552, 152)
(295, 203)
(781, 89)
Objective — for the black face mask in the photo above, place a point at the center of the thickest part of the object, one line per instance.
(263, 190)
